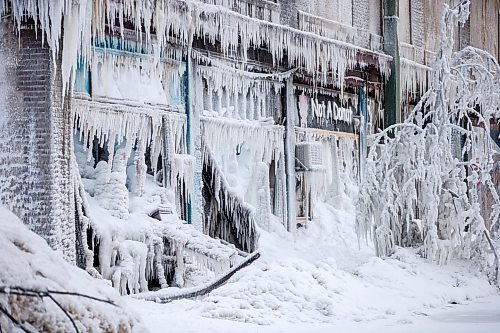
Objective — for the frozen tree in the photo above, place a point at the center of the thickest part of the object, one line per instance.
(422, 176)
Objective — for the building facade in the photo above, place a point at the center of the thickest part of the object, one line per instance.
(232, 116)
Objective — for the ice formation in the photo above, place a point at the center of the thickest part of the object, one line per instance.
(118, 124)
(110, 189)
(223, 136)
(229, 216)
(249, 143)
(132, 248)
(414, 79)
(328, 59)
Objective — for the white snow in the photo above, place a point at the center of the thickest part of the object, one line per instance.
(472, 316)
(27, 261)
(318, 280)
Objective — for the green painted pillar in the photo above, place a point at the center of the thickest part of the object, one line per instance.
(392, 91)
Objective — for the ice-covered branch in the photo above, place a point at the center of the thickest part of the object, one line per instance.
(419, 188)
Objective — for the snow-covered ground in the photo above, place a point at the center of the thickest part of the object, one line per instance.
(482, 315)
(320, 278)
(27, 261)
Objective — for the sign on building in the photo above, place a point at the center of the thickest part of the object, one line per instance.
(326, 111)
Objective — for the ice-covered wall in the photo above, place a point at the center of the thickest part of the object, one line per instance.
(35, 176)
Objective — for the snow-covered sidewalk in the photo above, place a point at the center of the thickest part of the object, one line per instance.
(481, 315)
(318, 279)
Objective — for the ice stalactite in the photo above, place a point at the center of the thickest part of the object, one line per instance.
(238, 96)
(116, 124)
(263, 200)
(130, 274)
(179, 271)
(223, 136)
(328, 59)
(230, 217)
(82, 220)
(140, 168)
(348, 154)
(414, 79)
(183, 171)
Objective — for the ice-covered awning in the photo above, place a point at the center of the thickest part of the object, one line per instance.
(87, 22)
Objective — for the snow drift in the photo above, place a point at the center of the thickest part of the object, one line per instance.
(28, 262)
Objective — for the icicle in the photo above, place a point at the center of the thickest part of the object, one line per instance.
(265, 141)
(326, 58)
(413, 79)
(111, 121)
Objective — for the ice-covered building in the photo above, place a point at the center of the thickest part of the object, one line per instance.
(140, 138)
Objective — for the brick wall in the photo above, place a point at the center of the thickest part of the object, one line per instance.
(417, 28)
(288, 13)
(35, 140)
(361, 20)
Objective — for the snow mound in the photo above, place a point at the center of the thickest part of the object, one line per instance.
(323, 275)
(27, 261)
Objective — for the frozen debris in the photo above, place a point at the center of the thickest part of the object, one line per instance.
(27, 261)
(165, 296)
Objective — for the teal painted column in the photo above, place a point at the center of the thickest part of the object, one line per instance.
(193, 142)
(188, 125)
(392, 92)
(363, 113)
(291, 112)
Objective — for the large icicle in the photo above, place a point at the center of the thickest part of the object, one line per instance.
(327, 59)
(223, 136)
(414, 77)
(112, 123)
(230, 217)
